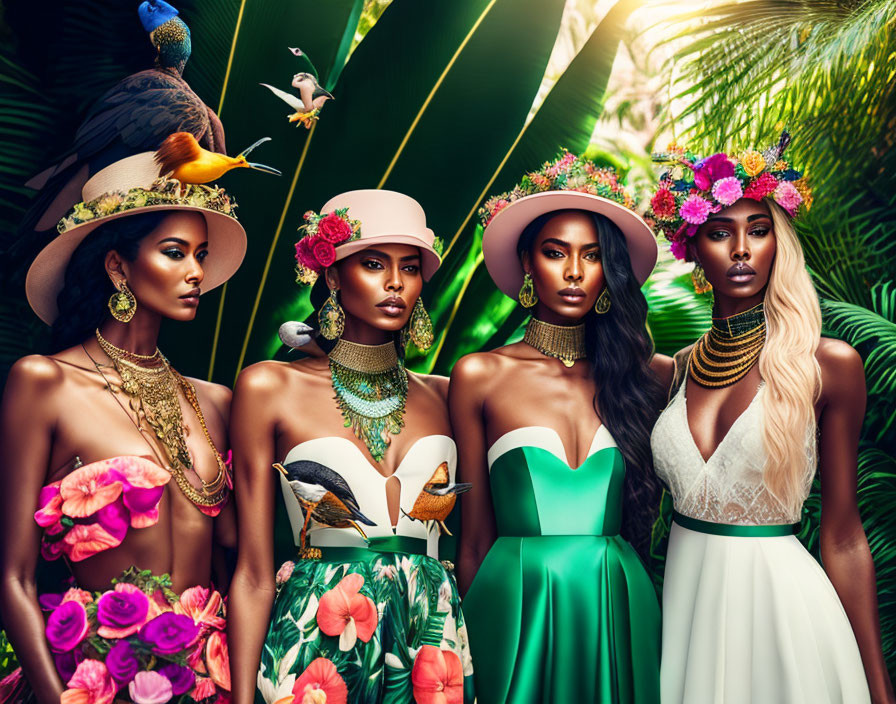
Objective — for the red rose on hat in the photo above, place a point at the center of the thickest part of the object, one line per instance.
(334, 229)
(663, 203)
(324, 252)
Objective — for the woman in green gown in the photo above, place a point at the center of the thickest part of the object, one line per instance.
(553, 431)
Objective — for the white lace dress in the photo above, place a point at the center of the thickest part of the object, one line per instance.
(746, 620)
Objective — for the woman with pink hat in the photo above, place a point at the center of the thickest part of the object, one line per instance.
(554, 434)
(92, 436)
(364, 458)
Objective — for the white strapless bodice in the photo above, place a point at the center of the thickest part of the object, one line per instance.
(369, 488)
(729, 487)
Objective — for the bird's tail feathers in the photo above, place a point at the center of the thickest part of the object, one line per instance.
(178, 149)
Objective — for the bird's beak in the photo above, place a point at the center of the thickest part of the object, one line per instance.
(265, 168)
(249, 149)
(279, 468)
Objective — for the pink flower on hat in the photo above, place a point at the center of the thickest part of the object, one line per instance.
(695, 209)
(678, 249)
(727, 191)
(788, 197)
(334, 229)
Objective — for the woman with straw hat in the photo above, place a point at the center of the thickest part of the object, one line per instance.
(553, 433)
(365, 460)
(92, 436)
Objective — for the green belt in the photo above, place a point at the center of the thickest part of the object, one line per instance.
(375, 547)
(733, 531)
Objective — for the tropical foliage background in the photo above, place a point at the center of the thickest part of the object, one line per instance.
(452, 101)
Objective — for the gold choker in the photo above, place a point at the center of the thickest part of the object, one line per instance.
(566, 343)
(729, 349)
(373, 359)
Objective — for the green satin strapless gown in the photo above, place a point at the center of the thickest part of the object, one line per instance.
(562, 609)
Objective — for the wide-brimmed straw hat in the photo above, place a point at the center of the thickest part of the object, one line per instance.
(356, 220)
(568, 183)
(129, 187)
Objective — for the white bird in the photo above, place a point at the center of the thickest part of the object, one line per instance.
(308, 103)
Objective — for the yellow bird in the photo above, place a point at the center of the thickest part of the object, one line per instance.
(181, 157)
(437, 499)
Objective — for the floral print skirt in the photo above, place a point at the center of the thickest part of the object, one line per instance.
(382, 628)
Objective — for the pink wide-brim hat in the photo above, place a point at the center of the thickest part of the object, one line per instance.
(499, 241)
(46, 276)
(387, 217)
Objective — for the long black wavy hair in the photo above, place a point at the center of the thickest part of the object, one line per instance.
(629, 395)
(83, 300)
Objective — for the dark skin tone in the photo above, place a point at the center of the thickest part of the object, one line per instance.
(54, 408)
(736, 241)
(278, 405)
(492, 393)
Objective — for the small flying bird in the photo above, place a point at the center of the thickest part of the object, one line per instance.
(324, 496)
(311, 96)
(437, 499)
(181, 157)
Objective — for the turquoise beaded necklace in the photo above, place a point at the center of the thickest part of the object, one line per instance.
(371, 386)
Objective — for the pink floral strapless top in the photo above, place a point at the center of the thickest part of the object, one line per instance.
(91, 509)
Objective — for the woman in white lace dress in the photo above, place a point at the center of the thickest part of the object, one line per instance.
(761, 399)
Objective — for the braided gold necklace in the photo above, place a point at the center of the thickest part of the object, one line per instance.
(566, 343)
(371, 386)
(152, 389)
(729, 349)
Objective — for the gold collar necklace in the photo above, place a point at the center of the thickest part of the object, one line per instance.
(729, 349)
(371, 387)
(566, 343)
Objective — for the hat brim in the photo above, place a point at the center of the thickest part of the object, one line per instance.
(46, 276)
(500, 238)
(430, 260)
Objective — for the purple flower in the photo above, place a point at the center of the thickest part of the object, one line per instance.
(182, 678)
(150, 688)
(169, 633)
(709, 170)
(67, 626)
(122, 662)
(727, 191)
(49, 602)
(678, 249)
(67, 663)
(695, 210)
(121, 612)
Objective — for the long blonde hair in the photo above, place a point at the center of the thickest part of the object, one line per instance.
(788, 366)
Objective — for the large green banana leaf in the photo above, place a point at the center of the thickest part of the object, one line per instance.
(429, 80)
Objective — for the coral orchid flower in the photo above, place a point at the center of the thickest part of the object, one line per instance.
(320, 683)
(91, 684)
(90, 488)
(202, 605)
(344, 612)
(438, 677)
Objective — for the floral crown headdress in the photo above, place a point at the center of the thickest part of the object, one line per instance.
(693, 188)
(567, 172)
(162, 191)
(316, 248)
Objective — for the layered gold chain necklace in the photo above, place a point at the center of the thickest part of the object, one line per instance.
(152, 389)
(371, 386)
(729, 349)
(566, 343)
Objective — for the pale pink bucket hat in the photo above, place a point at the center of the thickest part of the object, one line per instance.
(386, 217)
(499, 241)
(129, 187)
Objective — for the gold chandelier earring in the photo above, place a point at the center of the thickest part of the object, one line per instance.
(698, 278)
(331, 317)
(528, 297)
(602, 304)
(420, 327)
(122, 304)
